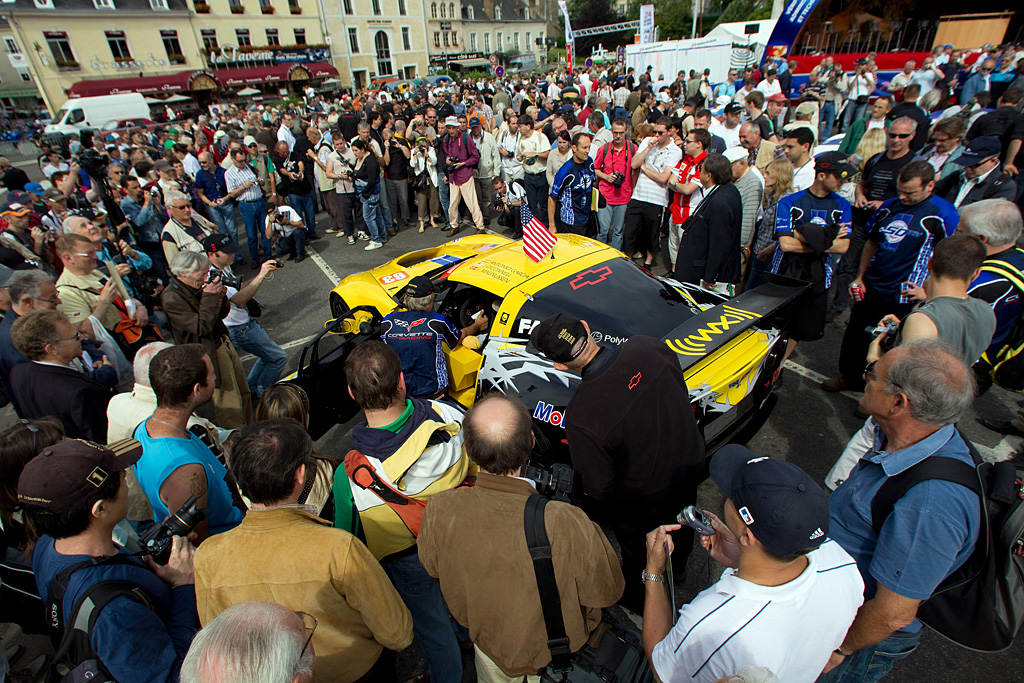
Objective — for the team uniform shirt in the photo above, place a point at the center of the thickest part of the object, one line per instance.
(791, 629)
(658, 160)
(905, 239)
(687, 171)
(1001, 294)
(418, 338)
(803, 207)
(572, 190)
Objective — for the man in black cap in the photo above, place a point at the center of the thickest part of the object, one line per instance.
(788, 594)
(810, 226)
(981, 177)
(631, 433)
(417, 335)
(245, 331)
(74, 493)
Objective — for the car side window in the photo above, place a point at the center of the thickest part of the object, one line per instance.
(76, 116)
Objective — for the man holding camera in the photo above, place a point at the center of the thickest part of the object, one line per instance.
(245, 331)
(508, 200)
(285, 223)
(615, 182)
(145, 210)
(631, 432)
(75, 493)
(487, 581)
(461, 156)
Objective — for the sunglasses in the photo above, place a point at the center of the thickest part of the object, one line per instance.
(981, 163)
(901, 136)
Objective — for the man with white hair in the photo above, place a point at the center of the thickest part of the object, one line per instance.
(185, 229)
(252, 641)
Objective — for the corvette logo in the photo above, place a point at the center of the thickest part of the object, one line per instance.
(590, 277)
(414, 323)
(696, 344)
(635, 380)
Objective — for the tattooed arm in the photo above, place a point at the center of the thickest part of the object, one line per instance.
(182, 484)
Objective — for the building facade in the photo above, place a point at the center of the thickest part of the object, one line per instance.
(199, 48)
(18, 91)
(463, 34)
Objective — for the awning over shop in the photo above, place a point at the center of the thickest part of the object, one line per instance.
(466, 63)
(202, 80)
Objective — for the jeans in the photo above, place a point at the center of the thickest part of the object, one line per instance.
(374, 218)
(853, 112)
(827, 120)
(536, 186)
(385, 206)
(252, 217)
(872, 663)
(444, 194)
(398, 198)
(294, 242)
(431, 622)
(224, 216)
(610, 219)
(848, 267)
(303, 204)
(270, 358)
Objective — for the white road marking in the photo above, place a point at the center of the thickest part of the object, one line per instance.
(328, 271)
(816, 377)
(289, 345)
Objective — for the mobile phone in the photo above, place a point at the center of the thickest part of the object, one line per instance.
(696, 519)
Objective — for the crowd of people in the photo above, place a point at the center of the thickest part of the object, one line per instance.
(301, 567)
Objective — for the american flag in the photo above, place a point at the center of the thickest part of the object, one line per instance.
(537, 239)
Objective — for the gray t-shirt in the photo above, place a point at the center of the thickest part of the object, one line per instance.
(965, 325)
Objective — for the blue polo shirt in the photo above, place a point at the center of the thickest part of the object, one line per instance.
(905, 243)
(213, 185)
(931, 532)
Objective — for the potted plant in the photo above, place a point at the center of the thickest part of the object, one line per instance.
(267, 9)
(237, 9)
(202, 7)
(294, 8)
(70, 64)
(176, 58)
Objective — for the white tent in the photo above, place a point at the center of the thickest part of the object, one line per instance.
(248, 92)
(734, 31)
(725, 47)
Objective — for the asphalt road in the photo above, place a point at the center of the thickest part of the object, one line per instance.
(808, 427)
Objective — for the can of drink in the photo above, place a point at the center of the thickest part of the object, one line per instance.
(857, 292)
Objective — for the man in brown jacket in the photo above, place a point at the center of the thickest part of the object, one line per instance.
(282, 552)
(196, 309)
(487, 576)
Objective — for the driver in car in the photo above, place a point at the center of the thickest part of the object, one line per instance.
(417, 334)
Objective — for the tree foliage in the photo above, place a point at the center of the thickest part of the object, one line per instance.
(745, 10)
(674, 18)
(590, 13)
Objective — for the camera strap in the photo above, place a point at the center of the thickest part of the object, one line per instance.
(547, 585)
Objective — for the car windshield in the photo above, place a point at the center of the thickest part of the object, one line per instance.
(59, 116)
(616, 298)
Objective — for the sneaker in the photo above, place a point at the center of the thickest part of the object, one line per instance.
(834, 384)
(363, 236)
(372, 245)
(351, 239)
(332, 231)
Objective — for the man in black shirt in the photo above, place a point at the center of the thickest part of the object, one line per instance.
(348, 122)
(910, 109)
(1007, 124)
(631, 433)
(14, 179)
(877, 184)
(301, 170)
(397, 153)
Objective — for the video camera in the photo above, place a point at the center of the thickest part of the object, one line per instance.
(156, 540)
(556, 484)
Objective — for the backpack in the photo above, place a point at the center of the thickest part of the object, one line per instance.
(981, 604)
(1007, 367)
(73, 640)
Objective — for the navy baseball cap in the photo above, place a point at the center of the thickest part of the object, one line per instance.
(978, 150)
(778, 501)
(733, 107)
(420, 286)
(219, 242)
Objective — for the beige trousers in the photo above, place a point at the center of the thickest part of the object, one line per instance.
(488, 672)
(467, 191)
(231, 399)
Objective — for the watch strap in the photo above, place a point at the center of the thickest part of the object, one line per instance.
(645, 577)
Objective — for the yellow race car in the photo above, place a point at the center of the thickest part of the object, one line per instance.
(730, 350)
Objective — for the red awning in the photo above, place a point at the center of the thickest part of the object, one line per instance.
(182, 80)
(145, 84)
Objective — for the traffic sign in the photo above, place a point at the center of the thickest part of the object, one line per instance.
(494, 60)
(620, 57)
(499, 71)
(589, 63)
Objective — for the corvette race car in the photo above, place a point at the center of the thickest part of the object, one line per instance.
(730, 350)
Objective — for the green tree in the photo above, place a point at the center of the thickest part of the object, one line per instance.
(674, 18)
(745, 10)
(590, 13)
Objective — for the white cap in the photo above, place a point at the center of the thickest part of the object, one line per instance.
(663, 97)
(734, 154)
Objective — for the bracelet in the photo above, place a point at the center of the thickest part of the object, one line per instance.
(645, 577)
(839, 651)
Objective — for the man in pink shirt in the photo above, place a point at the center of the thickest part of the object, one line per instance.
(615, 183)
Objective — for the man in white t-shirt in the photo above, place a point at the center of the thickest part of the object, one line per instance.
(797, 143)
(245, 331)
(286, 223)
(656, 157)
(788, 594)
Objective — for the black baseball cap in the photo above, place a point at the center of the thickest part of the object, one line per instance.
(219, 242)
(835, 163)
(420, 286)
(733, 107)
(978, 150)
(560, 337)
(62, 475)
(778, 501)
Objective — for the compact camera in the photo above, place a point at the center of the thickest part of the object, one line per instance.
(156, 540)
(696, 518)
(890, 329)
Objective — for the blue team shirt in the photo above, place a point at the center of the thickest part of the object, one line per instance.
(995, 289)
(214, 185)
(803, 207)
(572, 188)
(905, 243)
(418, 338)
(931, 531)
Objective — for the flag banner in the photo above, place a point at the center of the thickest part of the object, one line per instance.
(646, 24)
(788, 27)
(537, 239)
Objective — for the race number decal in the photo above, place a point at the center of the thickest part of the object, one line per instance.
(394, 277)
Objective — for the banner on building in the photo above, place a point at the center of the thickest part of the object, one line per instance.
(788, 27)
(646, 24)
(565, 15)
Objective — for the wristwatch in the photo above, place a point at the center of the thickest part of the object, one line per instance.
(645, 577)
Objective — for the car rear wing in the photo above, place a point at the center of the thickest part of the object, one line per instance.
(701, 335)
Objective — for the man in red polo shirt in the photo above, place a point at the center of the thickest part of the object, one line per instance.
(688, 192)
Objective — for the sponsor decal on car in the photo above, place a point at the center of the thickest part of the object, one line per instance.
(696, 344)
(546, 412)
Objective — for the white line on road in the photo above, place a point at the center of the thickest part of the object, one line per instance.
(292, 344)
(816, 377)
(328, 271)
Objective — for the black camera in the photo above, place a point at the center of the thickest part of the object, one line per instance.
(890, 328)
(556, 484)
(619, 177)
(229, 279)
(156, 540)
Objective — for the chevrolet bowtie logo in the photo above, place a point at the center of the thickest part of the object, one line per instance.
(696, 344)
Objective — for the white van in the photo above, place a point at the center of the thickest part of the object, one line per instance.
(94, 112)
